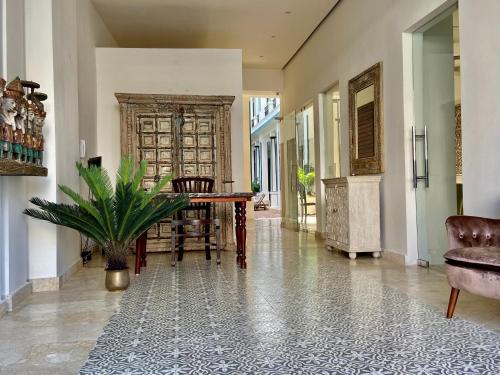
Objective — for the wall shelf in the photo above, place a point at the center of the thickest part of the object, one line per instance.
(15, 168)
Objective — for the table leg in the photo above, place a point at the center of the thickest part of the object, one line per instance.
(140, 252)
(138, 256)
(144, 241)
(241, 233)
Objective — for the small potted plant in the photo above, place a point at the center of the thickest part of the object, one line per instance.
(255, 186)
(113, 218)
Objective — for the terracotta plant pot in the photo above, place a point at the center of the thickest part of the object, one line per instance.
(117, 280)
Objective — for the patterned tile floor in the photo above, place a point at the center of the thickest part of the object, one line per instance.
(297, 309)
(290, 290)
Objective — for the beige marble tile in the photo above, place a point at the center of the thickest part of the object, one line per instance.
(53, 332)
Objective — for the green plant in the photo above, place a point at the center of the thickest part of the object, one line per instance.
(114, 219)
(306, 180)
(255, 186)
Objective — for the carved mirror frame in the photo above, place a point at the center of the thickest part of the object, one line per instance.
(373, 163)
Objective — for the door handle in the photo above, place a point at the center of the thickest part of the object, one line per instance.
(414, 155)
(426, 157)
(414, 138)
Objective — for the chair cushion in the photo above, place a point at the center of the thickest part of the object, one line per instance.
(482, 257)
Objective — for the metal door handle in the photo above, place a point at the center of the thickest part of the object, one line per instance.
(414, 138)
(426, 157)
(414, 154)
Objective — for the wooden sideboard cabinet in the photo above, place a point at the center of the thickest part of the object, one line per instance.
(353, 214)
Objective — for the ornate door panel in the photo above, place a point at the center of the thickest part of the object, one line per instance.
(155, 140)
(198, 147)
(339, 211)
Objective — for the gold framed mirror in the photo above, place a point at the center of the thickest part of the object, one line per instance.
(365, 122)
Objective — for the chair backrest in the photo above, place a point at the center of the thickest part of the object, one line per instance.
(193, 185)
(472, 231)
(258, 199)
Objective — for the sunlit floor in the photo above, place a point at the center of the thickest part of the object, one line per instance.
(292, 287)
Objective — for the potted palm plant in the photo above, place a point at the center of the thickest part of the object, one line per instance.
(113, 218)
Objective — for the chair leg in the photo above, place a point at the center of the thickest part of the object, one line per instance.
(452, 303)
(174, 240)
(181, 239)
(217, 241)
(207, 236)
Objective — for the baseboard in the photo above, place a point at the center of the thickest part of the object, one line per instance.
(320, 235)
(74, 268)
(394, 257)
(46, 284)
(14, 299)
(4, 308)
(50, 284)
(289, 224)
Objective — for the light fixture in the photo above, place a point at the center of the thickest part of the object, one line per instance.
(288, 12)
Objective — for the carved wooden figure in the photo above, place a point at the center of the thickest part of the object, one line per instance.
(13, 92)
(19, 133)
(30, 137)
(2, 88)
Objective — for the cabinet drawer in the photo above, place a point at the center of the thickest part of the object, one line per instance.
(337, 214)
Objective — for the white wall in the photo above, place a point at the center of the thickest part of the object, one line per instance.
(480, 62)
(66, 120)
(51, 58)
(40, 43)
(13, 228)
(340, 50)
(92, 33)
(167, 71)
(263, 80)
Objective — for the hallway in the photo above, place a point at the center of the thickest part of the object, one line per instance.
(297, 309)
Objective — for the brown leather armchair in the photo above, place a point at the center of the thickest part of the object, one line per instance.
(473, 261)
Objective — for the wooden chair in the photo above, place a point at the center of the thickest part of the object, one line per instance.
(259, 203)
(181, 234)
(303, 202)
(194, 185)
(473, 261)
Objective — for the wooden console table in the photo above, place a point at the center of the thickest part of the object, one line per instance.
(240, 202)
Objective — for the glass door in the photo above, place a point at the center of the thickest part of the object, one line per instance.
(332, 132)
(433, 136)
(289, 171)
(304, 134)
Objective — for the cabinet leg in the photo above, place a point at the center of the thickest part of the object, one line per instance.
(376, 254)
(352, 256)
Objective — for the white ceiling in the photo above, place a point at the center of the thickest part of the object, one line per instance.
(246, 24)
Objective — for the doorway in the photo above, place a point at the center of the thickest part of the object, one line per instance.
(306, 188)
(332, 143)
(436, 135)
(264, 119)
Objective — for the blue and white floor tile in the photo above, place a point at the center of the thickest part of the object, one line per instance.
(293, 311)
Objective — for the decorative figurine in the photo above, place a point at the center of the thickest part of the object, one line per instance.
(21, 128)
(38, 141)
(41, 140)
(19, 133)
(2, 88)
(28, 138)
(13, 91)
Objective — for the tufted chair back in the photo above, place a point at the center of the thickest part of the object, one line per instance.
(472, 231)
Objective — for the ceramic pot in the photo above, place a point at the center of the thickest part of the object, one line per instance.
(117, 280)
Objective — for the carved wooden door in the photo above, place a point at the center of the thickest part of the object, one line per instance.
(155, 138)
(198, 146)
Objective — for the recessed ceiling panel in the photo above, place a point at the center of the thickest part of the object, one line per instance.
(268, 31)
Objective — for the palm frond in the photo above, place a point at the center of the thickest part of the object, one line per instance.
(150, 195)
(114, 217)
(139, 175)
(125, 171)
